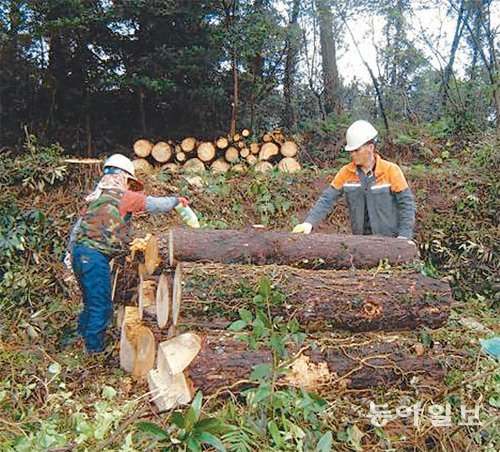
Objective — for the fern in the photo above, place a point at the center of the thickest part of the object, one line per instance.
(242, 439)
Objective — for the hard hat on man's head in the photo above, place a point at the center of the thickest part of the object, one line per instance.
(359, 133)
(124, 163)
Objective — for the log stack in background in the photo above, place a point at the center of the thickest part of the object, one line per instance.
(237, 152)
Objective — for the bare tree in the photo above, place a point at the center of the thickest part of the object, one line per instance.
(293, 42)
(482, 38)
(331, 83)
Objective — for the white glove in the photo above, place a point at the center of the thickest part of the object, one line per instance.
(407, 239)
(303, 228)
(67, 261)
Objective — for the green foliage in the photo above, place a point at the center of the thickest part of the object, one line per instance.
(189, 431)
(26, 237)
(37, 168)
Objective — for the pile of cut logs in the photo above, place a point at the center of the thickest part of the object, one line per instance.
(332, 282)
(237, 152)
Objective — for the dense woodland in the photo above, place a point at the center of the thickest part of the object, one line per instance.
(289, 356)
(96, 75)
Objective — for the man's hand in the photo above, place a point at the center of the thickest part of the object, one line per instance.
(303, 228)
(183, 200)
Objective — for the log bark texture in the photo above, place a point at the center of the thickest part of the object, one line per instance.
(271, 247)
(321, 300)
(223, 361)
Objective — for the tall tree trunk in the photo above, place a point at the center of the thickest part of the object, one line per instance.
(375, 82)
(256, 67)
(290, 119)
(234, 105)
(448, 70)
(329, 58)
(482, 31)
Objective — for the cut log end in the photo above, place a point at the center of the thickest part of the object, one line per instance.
(162, 301)
(289, 165)
(142, 148)
(161, 152)
(206, 151)
(194, 165)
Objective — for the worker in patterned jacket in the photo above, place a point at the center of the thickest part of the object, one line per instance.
(379, 199)
(100, 234)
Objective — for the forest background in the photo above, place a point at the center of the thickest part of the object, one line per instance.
(96, 75)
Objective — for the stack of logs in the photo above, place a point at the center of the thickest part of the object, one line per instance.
(236, 152)
(331, 282)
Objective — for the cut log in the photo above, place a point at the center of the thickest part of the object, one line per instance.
(171, 259)
(244, 153)
(137, 344)
(161, 152)
(220, 166)
(168, 392)
(142, 148)
(180, 156)
(322, 300)
(147, 297)
(252, 160)
(188, 144)
(151, 255)
(177, 353)
(289, 149)
(245, 133)
(262, 167)
(262, 247)
(120, 313)
(141, 270)
(177, 294)
(236, 137)
(268, 150)
(289, 165)
(142, 165)
(232, 154)
(171, 167)
(254, 148)
(267, 137)
(84, 161)
(239, 168)
(222, 143)
(206, 151)
(162, 301)
(194, 165)
(278, 136)
(223, 361)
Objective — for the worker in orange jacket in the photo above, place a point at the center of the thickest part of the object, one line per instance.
(379, 199)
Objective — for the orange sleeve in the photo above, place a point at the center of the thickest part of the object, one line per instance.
(132, 202)
(340, 178)
(397, 179)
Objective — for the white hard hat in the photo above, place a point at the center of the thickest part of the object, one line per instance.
(124, 163)
(359, 133)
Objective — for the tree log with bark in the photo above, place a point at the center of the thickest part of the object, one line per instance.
(321, 300)
(283, 248)
(223, 362)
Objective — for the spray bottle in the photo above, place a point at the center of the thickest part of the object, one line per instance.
(188, 216)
